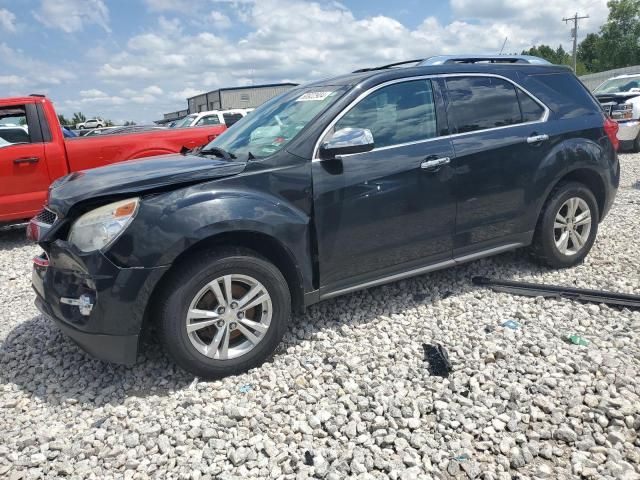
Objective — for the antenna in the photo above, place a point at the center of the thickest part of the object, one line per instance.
(503, 44)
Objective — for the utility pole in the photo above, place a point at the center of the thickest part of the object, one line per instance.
(574, 34)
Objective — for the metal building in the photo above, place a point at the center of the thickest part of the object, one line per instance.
(594, 79)
(237, 97)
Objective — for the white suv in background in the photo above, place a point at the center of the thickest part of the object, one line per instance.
(620, 99)
(91, 123)
(213, 117)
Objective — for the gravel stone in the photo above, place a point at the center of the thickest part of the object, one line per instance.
(348, 394)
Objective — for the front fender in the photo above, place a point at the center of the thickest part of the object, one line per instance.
(170, 223)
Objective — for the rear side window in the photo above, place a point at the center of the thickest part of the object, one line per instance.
(563, 93)
(478, 103)
(531, 110)
(231, 118)
(395, 114)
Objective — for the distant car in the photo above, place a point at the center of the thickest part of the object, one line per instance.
(96, 131)
(66, 133)
(91, 123)
(620, 99)
(212, 117)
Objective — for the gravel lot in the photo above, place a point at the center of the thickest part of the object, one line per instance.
(349, 394)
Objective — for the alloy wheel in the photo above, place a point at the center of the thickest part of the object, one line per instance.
(572, 226)
(229, 316)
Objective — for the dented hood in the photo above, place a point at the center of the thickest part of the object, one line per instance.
(136, 177)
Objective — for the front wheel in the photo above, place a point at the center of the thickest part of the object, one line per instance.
(567, 227)
(224, 312)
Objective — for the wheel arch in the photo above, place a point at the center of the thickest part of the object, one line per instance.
(588, 177)
(263, 244)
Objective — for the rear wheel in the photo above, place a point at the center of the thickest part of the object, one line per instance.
(567, 227)
(225, 313)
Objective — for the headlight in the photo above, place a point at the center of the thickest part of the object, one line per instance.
(98, 228)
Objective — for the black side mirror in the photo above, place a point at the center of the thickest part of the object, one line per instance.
(346, 141)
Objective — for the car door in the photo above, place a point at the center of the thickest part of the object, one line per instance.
(500, 140)
(390, 209)
(24, 178)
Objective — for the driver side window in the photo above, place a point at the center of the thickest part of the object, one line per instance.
(395, 114)
(209, 120)
(13, 126)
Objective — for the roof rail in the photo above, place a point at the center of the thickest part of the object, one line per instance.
(449, 59)
(37, 95)
(391, 65)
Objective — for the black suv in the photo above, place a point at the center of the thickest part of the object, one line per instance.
(329, 188)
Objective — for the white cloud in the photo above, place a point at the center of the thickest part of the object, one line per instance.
(92, 93)
(7, 21)
(73, 15)
(12, 81)
(219, 20)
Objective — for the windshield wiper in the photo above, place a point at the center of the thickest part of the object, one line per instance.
(218, 152)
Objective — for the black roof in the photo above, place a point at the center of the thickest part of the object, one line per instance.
(382, 75)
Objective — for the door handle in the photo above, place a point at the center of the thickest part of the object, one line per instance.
(18, 161)
(537, 138)
(435, 164)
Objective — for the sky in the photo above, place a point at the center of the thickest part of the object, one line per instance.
(137, 59)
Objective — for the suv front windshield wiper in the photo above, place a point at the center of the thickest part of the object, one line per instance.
(218, 152)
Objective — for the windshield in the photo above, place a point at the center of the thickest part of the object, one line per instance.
(616, 85)
(275, 123)
(185, 122)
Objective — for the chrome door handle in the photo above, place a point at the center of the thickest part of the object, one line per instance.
(537, 138)
(435, 163)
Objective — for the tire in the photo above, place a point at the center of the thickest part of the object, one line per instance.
(183, 293)
(547, 247)
(635, 148)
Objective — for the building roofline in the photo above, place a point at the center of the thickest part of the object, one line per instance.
(264, 85)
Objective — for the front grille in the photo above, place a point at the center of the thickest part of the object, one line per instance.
(46, 216)
(607, 107)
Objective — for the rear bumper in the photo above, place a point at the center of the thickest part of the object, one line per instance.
(118, 297)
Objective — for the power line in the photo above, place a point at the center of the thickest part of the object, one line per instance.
(574, 34)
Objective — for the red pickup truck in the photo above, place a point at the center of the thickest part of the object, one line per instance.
(33, 152)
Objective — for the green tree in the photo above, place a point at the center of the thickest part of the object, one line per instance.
(129, 123)
(63, 120)
(108, 123)
(619, 45)
(78, 117)
(588, 52)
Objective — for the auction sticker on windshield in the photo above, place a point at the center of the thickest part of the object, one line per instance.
(313, 96)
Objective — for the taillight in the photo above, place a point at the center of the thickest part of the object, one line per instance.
(611, 129)
(41, 260)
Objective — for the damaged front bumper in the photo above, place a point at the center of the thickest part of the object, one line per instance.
(95, 302)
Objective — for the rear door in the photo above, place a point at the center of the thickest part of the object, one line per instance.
(24, 178)
(500, 139)
(388, 210)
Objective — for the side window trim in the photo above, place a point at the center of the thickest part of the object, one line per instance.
(371, 91)
(516, 85)
(545, 117)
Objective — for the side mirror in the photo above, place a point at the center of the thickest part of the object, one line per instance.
(346, 141)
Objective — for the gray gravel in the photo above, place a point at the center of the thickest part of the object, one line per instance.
(348, 394)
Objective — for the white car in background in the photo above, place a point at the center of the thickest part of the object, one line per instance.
(91, 123)
(213, 117)
(620, 99)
